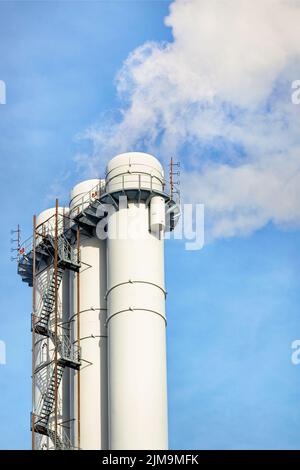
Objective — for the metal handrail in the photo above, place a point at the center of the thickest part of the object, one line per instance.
(97, 191)
(90, 196)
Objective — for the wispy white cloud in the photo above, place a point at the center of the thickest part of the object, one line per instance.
(59, 188)
(219, 96)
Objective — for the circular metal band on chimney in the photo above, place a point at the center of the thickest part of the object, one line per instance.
(130, 281)
(133, 309)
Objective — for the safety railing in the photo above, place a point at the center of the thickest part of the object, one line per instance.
(132, 180)
(67, 350)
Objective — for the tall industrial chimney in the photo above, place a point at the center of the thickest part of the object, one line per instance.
(89, 384)
(136, 307)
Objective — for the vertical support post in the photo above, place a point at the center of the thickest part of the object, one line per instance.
(33, 330)
(56, 322)
(171, 178)
(78, 339)
(19, 238)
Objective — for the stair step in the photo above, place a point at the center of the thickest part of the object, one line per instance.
(49, 398)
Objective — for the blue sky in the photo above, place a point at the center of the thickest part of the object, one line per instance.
(233, 307)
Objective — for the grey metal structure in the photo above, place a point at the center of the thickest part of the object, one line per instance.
(60, 353)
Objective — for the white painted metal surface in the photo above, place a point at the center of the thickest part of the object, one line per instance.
(93, 336)
(136, 314)
(83, 193)
(157, 214)
(134, 169)
(44, 345)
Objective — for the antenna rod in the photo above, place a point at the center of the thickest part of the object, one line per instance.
(171, 177)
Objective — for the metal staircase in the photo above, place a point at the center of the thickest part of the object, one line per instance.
(69, 356)
(58, 441)
(42, 262)
(42, 421)
(45, 250)
(42, 322)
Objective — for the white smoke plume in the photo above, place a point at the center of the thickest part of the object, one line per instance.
(218, 97)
